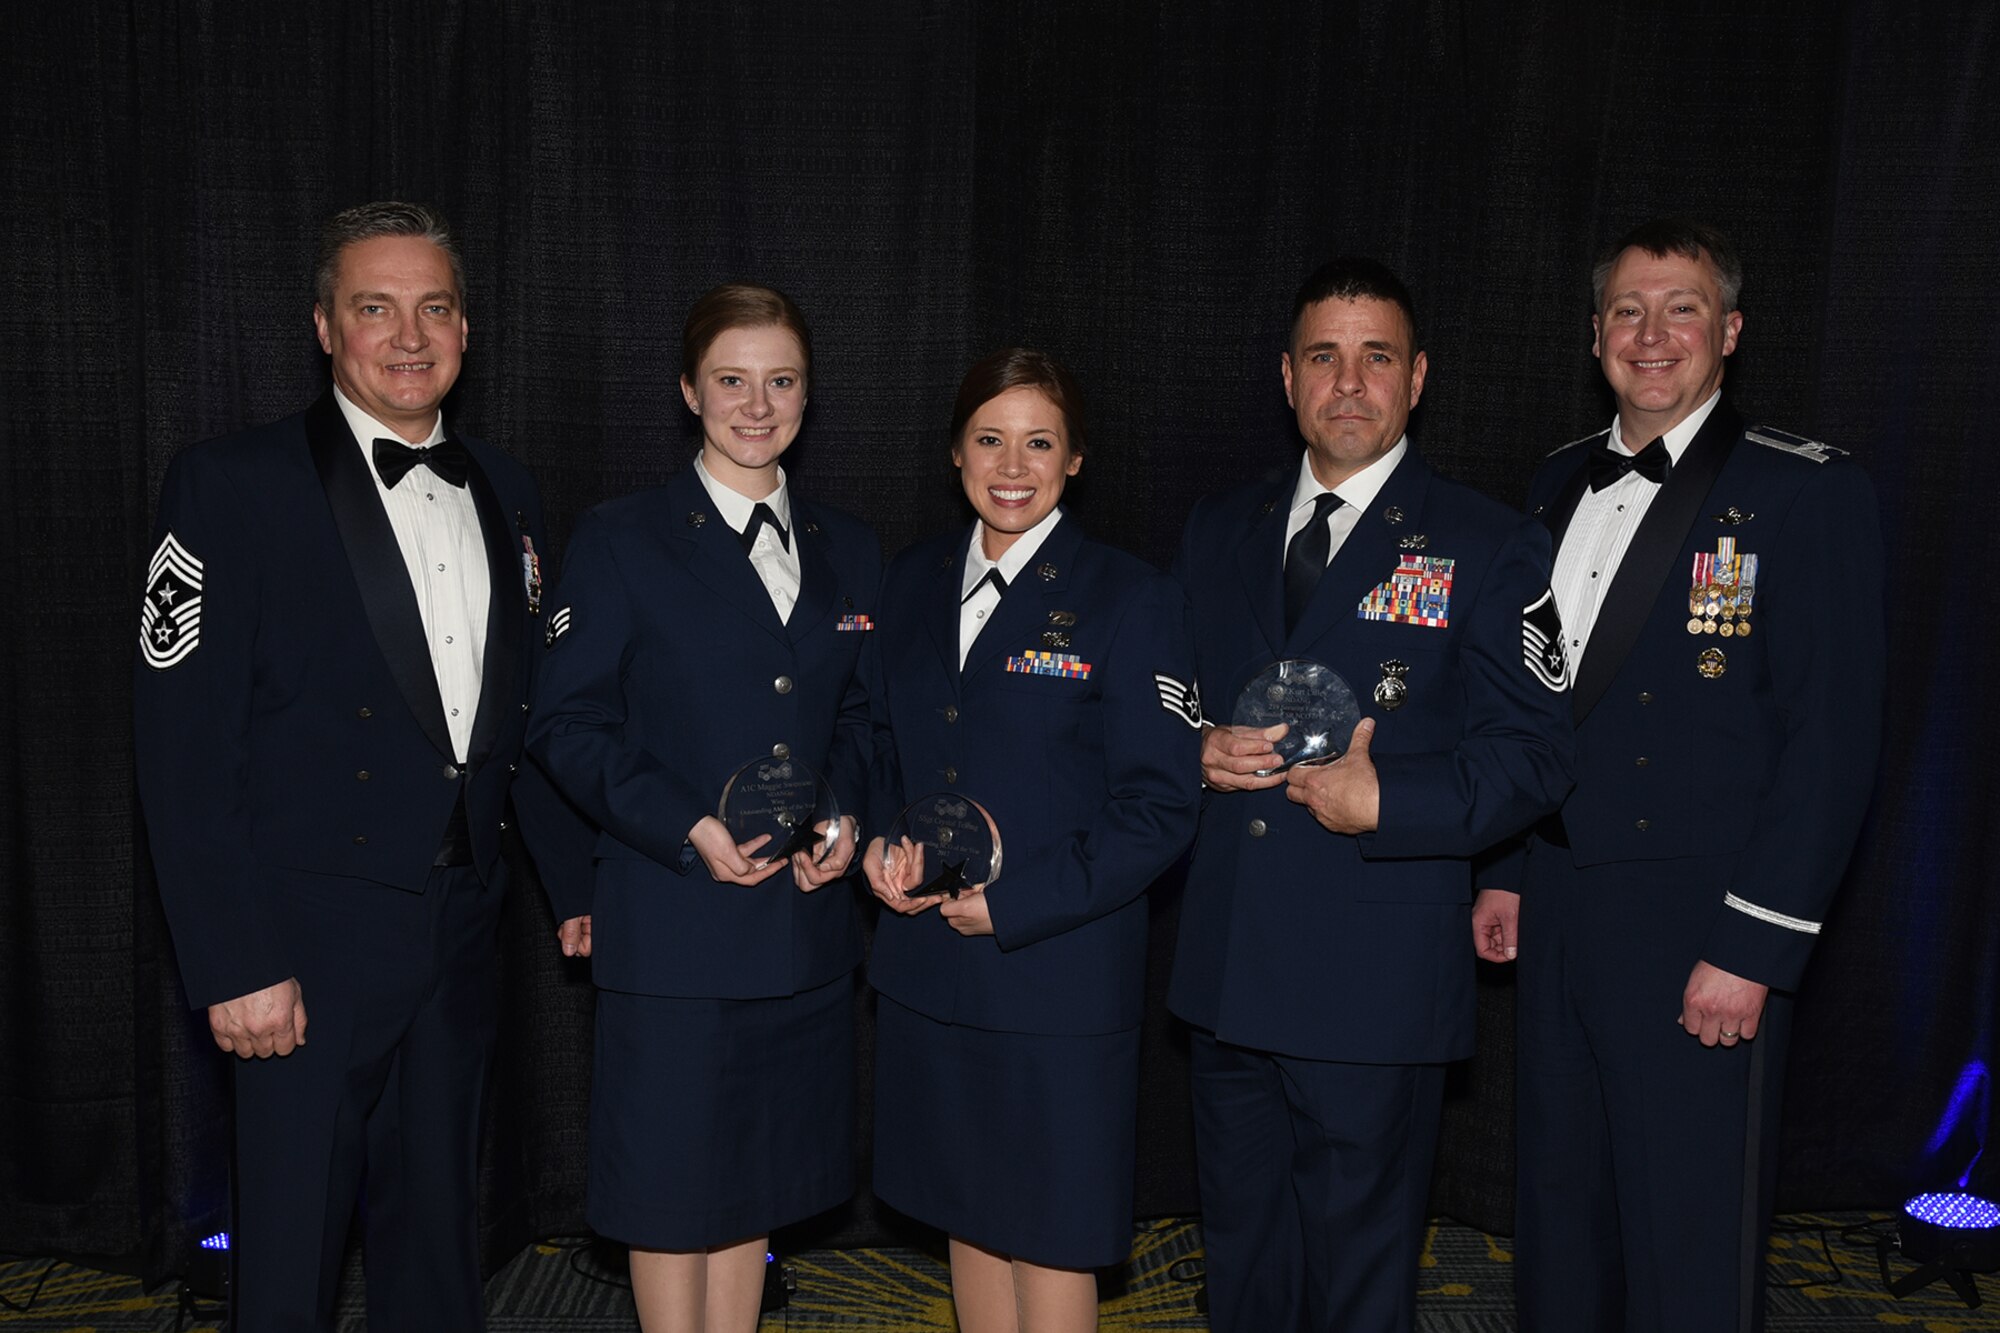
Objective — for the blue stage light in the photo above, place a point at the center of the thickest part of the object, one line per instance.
(219, 1241)
(1949, 1236)
(1954, 1211)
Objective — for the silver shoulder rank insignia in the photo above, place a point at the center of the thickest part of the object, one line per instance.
(1393, 514)
(170, 617)
(1813, 451)
(558, 626)
(1393, 690)
(1062, 618)
(810, 526)
(697, 518)
(1542, 643)
(1182, 699)
(1415, 541)
(1047, 571)
(1733, 516)
(1587, 439)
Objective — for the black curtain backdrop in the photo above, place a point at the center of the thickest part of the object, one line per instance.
(1136, 187)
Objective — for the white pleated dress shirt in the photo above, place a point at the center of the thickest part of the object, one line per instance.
(1601, 529)
(437, 527)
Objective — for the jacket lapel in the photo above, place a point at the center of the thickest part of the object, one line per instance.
(940, 609)
(380, 575)
(1369, 555)
(714, 553)
(1260, 560)
(1016, 623)
(1649, 560)
(817, 581)
(1563, 508)
(505, 614)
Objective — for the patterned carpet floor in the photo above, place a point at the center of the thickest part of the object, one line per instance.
(1824, 1277)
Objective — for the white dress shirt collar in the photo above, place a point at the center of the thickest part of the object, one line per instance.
(1358, 491)
(736, 507)
(1013, 560)
(1678, 439)
(366, 430)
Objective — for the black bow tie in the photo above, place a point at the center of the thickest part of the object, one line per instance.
(1608, 465)
(994, 577)
(761, 517)
(447, 458)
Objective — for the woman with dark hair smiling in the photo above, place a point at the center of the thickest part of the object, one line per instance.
(1023, 667)
(701, 626)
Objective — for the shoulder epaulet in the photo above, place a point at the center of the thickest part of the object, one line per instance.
(1813, 451)
(1584, 439)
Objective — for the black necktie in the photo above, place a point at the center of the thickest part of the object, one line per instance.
(1607, 465)
(761, 517)
(447, 458)
(994, 577)
(1305, 558)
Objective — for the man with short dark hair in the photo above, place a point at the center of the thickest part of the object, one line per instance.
(1321, 962)
(335, 650)
(1721, 588)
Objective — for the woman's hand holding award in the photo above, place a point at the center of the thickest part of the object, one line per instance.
(783, 801)
(941, 846)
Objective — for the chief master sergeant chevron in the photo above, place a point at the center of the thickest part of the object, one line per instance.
(1721, 586)
(335, 651)
(1322, 961)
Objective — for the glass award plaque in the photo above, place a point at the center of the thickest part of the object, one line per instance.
(955, 843)
(785, 799)
(1317, 707)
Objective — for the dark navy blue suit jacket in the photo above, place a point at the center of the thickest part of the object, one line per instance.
(1303, 942)
(1091, 780)
(1770, 762)
(668, 671)
(304, 732)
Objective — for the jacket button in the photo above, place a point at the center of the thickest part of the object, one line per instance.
(781, 751)
(1643, 825)
(951, 712)
(503, 826)
(951, 775)
(1641, 761)
(1645, 696)
(362, 776)
(524, 708)
(513, 768)
(782, 684)
(360, 839)
(450, 771)
(364, 712)
(1258, 828)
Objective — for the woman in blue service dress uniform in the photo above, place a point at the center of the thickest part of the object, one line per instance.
(701, 625)
(1024, 667)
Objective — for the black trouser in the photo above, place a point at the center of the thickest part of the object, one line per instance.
(401, 1006)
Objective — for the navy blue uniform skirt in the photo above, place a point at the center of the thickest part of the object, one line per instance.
(716, 1120)
(1021, 1143)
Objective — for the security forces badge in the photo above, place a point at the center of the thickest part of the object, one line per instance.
(170, 619)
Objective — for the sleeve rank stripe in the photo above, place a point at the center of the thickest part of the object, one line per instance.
(1766, 914)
